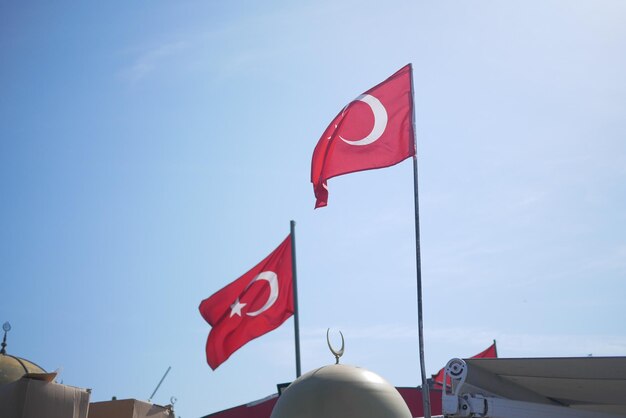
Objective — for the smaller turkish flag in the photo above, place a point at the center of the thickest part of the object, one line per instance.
(253, 305)
(375, 130)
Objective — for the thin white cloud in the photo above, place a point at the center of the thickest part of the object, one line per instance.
(512, 344)
(610, 260)
(530, 200)
(379, 332)
(149, 60)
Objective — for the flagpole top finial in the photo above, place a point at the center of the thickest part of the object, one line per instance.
(336, 353)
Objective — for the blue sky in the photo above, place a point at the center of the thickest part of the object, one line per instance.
(151, 152)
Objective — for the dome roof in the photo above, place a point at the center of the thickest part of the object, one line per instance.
(340, 391)
(13, 368)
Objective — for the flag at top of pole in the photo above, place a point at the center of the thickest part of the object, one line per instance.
(375, 130)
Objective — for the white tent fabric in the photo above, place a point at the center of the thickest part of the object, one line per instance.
(588, 383)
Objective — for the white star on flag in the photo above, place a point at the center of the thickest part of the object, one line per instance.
(235, 308)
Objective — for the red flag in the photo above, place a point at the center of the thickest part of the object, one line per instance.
(253, 305)
(490, 352)
(375, 130)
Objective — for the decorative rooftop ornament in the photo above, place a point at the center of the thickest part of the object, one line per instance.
(6, 327)
(336, 353)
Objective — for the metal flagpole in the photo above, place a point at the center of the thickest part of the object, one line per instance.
(296, 325)
(420, 322)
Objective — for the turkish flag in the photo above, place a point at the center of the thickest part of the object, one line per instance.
(253, 305)
(489, 352)
(375, 130)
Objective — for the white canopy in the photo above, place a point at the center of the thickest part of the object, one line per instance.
(589, 383)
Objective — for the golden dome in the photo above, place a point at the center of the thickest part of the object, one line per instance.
(340, 391)
(13, 368)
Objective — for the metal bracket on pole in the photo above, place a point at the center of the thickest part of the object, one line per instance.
(451, 403)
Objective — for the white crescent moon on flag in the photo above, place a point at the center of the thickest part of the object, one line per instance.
(380, 121)
(272, 279)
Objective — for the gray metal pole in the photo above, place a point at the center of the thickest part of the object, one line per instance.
(296, 325)
(420, 321)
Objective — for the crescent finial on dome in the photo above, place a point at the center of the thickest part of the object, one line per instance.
(336, 353)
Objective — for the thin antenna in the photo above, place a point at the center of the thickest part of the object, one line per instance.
(159, 385)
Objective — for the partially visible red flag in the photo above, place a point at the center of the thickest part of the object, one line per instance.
(253, 305)
(489, 352)
(375, 130)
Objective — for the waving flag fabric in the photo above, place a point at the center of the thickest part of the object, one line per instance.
(375, 130)
(254, 304)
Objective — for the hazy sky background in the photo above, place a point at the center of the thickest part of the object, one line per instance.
(151, 152)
